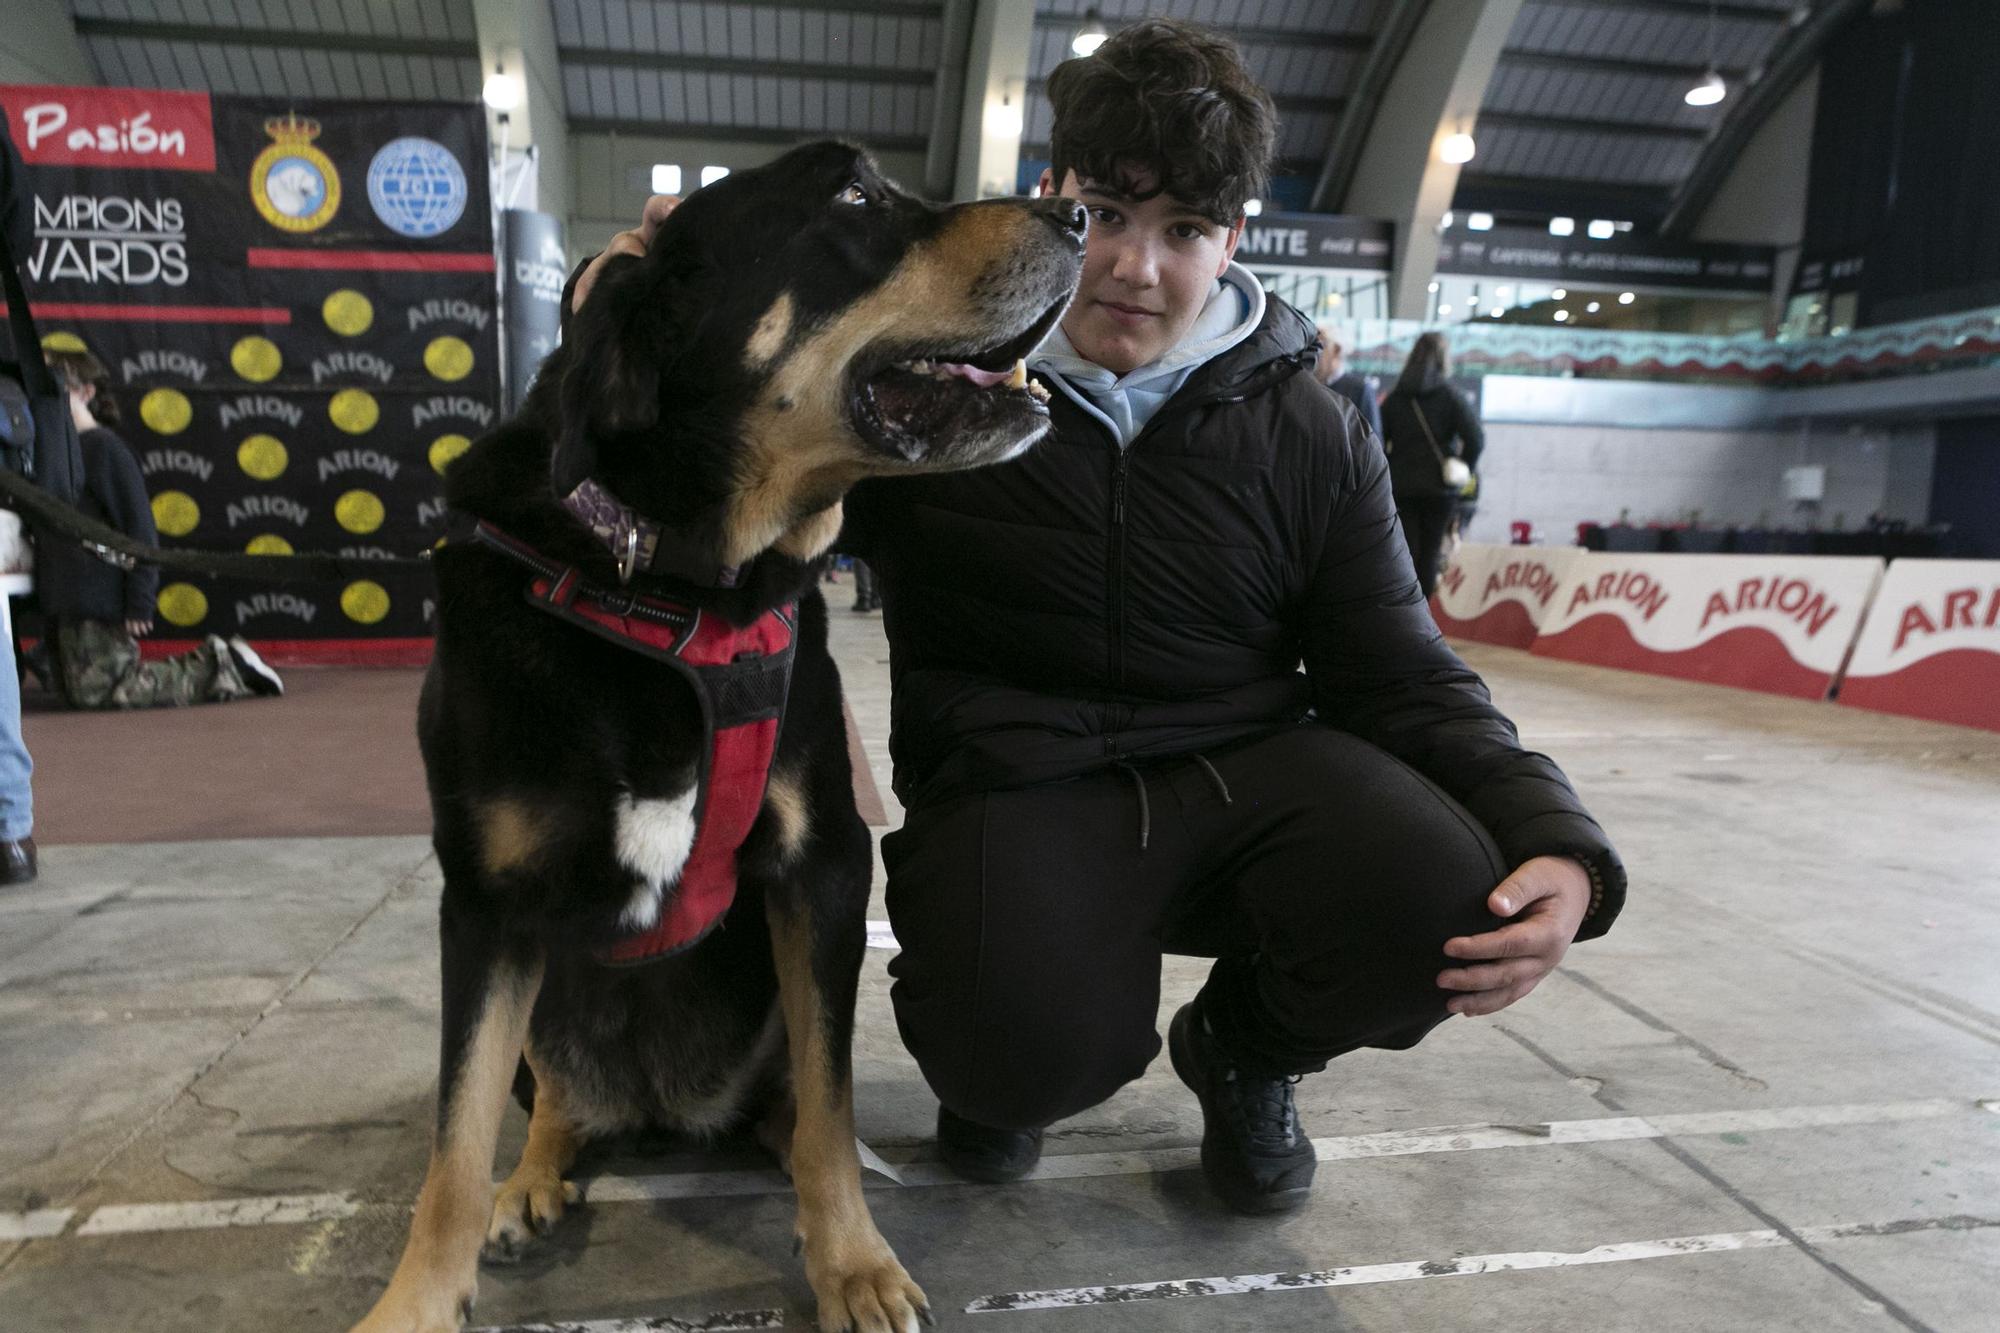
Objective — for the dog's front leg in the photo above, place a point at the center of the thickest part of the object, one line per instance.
(490, 985)
(854, 1274)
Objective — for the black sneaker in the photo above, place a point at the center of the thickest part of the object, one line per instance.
(982, 1153)
(256, 673)
(1254, 1153)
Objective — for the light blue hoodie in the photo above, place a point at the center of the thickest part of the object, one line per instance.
(1125, 403)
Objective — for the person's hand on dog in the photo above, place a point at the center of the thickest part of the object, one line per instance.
(139, 629)
(632, 242)
(1544, 903)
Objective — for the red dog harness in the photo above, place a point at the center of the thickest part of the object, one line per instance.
(740, 678)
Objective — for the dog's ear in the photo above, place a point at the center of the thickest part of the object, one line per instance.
(628, 335)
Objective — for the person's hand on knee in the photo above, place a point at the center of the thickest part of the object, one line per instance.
(1544, 903)
(634, 242)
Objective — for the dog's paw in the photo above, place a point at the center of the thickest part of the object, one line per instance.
(522, 1210)
(425, 1310)
(868, 1292)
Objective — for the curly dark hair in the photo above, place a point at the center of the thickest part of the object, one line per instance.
(1171, 100)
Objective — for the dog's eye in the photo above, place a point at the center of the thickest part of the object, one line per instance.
(853, 194)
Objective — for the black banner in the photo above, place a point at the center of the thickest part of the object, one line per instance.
(534, 270)
(1316, 240)
(297, 307)
(1621, 260)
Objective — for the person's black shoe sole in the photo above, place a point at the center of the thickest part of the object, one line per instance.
(1240, 1195)
(999, 1157)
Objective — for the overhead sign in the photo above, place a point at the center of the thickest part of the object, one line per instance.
(1779, 624)
(1620, 260)
(1501, 594)
(1931, 647)
(1316, 240)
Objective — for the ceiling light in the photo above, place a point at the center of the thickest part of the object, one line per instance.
(1457, 148)
(1333, 298)
(666, 178)
(1602, 229)
(1562, 226)
(1497, 312)
(1444, 223)
(1708, 92)
(1252, 207)
(1479, 222)
(1433, 287)
(1504, 293)
(1559, 293)
(1626, 298)
(711, 174)
(1562, 316)
(1590, 309)
(1091, 35)
(502, 91)
(1444, 309)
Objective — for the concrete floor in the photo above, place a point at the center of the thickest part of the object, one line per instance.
(1757, 1104)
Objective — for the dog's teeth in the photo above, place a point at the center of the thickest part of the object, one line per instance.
(1038, 391)
(920, 367)
(1018, 379)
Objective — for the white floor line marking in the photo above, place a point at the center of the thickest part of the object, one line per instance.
(35, 1225)
(737, 1321)
(276, 1211)
(284, 1210)
(1467, 1266)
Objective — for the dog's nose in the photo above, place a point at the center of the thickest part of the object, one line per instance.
(1067, 216)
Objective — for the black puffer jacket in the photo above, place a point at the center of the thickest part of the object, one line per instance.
(1082, 606)
(71, 582)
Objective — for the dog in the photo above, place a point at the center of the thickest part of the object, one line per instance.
(676, 473)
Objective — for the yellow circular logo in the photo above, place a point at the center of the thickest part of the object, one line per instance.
(262, 456)
(358, 511)
(292, 183)
(448, 358)
(175, 513)
(347, 312)
(354, 411)
(166, 411)
(445, 448)
(256, 358)
(183, 604)
(364, 602)
(61, 341)
(268, 543)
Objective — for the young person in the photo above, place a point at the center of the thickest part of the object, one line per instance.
(1102, 736)
(106, 610)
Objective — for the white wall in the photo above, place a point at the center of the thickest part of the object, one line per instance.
(1559, 476)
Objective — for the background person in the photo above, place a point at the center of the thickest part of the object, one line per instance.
(17, 796)
(1427, 426)
(1364, 391)
(103, 610)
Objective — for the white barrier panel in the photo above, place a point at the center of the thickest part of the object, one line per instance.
(1500, 594)
(1931, 647)
(1779, 624)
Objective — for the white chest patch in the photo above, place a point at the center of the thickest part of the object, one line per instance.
(654, 838)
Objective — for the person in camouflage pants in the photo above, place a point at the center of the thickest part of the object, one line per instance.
(98, 611)
(99, 665)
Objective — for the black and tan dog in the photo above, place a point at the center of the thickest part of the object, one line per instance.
(667, 492)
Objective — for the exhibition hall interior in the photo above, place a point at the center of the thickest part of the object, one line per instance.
(1413, 585)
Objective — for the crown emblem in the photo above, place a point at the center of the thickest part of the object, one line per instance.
(292, 128)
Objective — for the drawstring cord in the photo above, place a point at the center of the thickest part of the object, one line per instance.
(1215, 779)
(1145, 802)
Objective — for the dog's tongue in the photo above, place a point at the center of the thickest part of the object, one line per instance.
(985, 379)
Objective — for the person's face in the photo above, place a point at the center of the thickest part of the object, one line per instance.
(1148, 268)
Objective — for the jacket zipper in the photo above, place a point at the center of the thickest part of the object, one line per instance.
(1116, 589)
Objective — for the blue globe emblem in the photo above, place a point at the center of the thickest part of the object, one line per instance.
(416, 187)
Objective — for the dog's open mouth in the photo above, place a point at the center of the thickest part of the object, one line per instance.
(918, 402)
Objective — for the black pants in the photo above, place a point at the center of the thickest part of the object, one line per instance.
(1032, 922)
(1426, 519)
